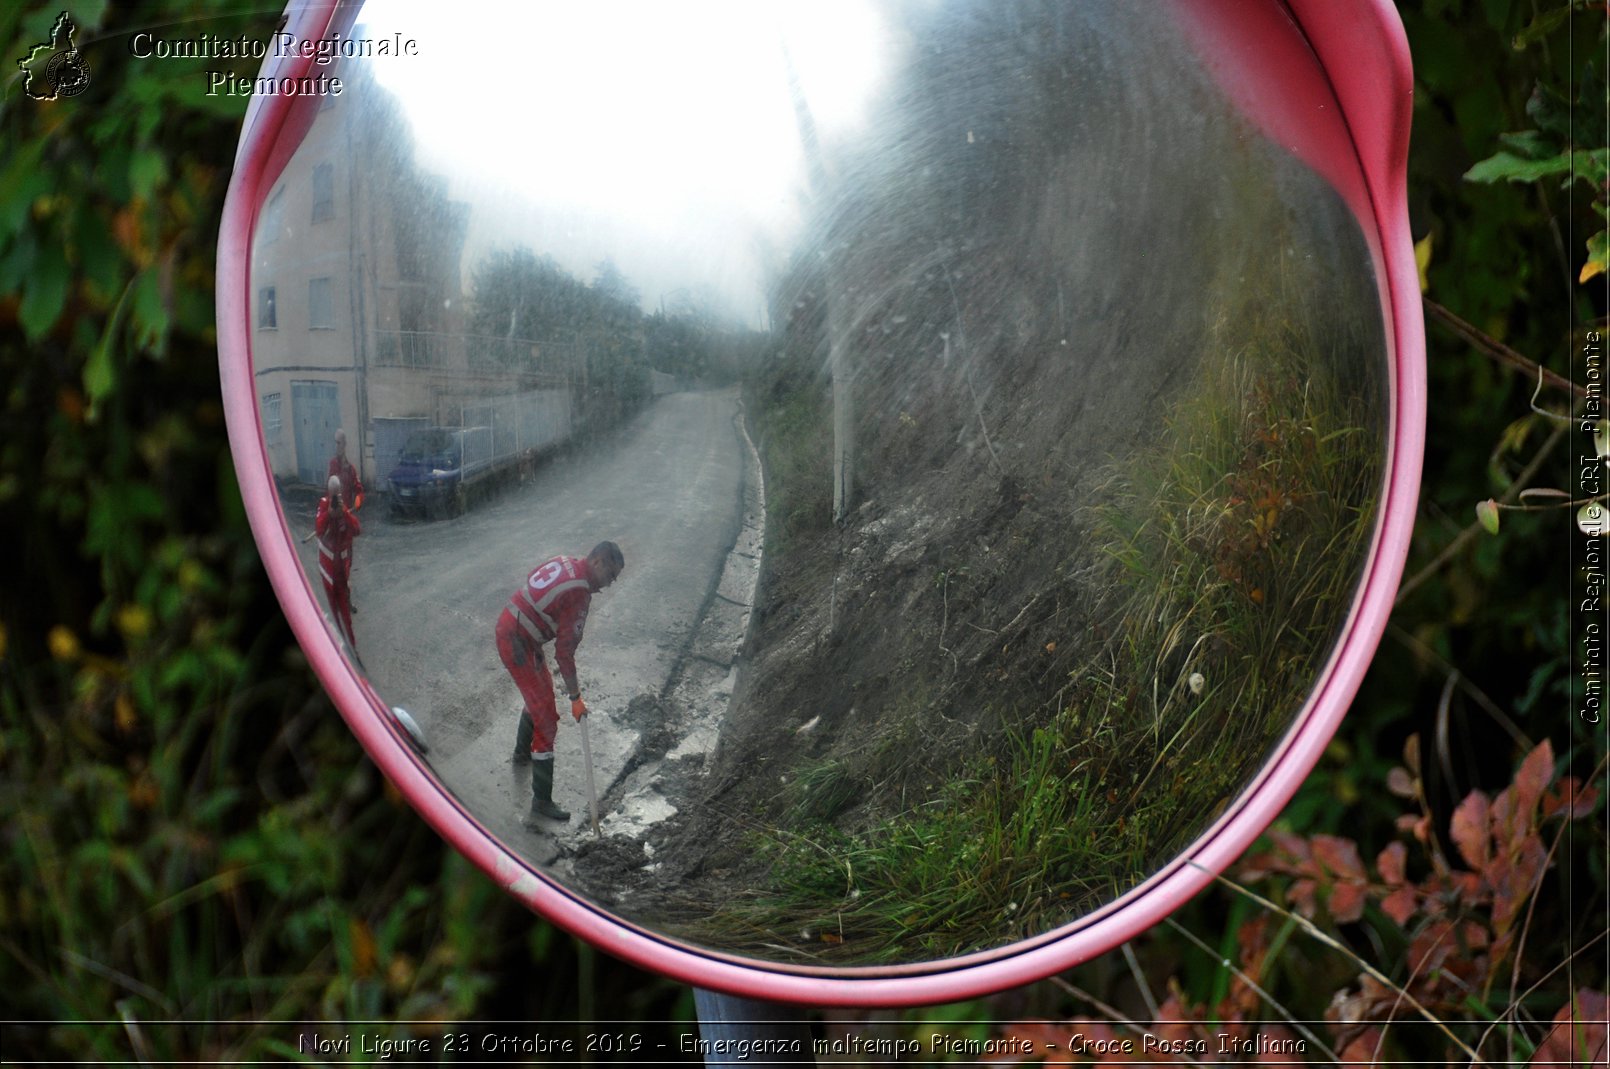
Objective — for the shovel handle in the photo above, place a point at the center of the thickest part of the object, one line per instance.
(592, 789)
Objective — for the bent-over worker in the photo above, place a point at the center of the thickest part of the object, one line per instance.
(336, 527)
(551, 606)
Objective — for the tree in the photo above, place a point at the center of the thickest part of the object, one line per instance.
(612, 285)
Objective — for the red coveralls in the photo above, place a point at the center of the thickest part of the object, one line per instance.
(351, 485)
(551, 606)
(336, 532)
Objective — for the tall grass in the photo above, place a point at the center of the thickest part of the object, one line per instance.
(1226, 556)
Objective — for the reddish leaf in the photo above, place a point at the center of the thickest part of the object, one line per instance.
(1399, 905)
(1339, 856)
(1466, 886)
(1513, 878)
(1400, 783)
(1301, 897)
(1259, 866)
(1174, 1007)
(1571, 797)
(1295, 847)
(1534, 777)
(1579, 1033)
(1362, 1050)
(1469, 830)
(1346, 902)
(1431, 947)
(1420, 827)
(1391, 863)
(1501, 816)
(1253, 941)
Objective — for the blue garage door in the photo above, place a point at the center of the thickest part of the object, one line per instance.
(317, 413)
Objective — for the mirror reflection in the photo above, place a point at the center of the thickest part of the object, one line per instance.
(856, 485)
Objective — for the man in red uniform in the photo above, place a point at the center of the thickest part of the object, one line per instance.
(551, 606)
(336, 527)
(342, 469)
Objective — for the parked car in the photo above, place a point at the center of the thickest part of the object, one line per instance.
(438, 469)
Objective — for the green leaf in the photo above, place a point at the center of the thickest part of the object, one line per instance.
(1504, 166)
(1551, 110)
(1598, 261)
(100, 262)
(1487, 515)
(147, 169)
(1532, 144)
(100, 375)
(45, 294)
(150, 310)
(1541, 26)
(21, 181)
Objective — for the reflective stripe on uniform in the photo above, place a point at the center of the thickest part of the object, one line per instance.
(530, 628)
(334, 554)
(538, 607)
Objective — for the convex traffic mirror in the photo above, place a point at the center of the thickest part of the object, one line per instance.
(869, 501)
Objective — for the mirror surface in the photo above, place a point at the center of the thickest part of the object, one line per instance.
(991, 420)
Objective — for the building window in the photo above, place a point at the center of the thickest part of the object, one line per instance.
(273, 222)
(323, 192)
(320, 305)
(267, 318)
(271, 418)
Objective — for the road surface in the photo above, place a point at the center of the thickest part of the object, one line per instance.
(669, 489)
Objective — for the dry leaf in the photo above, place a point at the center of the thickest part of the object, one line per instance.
(1534, 777)
(363, 947)
(1572, 798)
(1469, 830)
(1339, 856)
(1579, 1033)
(1392, 863)
(1400, 904)
(1346, 902)
(1400, 783)
(1362, 1050)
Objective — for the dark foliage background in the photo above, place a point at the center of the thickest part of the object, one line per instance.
(191, 834)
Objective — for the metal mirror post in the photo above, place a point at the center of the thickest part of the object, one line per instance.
(955, 453)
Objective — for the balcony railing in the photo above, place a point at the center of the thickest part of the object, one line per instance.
(474, 352)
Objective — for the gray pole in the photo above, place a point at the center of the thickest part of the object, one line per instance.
(739, 1033)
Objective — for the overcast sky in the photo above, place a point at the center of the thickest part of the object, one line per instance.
(658, 134)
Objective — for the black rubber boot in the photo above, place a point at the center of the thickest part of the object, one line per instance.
(522, 738)
(542, 804)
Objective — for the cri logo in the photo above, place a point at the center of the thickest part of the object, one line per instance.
(55, 69)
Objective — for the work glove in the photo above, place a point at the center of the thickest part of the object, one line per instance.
(578, 708)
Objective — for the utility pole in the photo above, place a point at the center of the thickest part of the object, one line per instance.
(837, 299)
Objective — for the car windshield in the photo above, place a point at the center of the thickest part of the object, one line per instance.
(427, 445)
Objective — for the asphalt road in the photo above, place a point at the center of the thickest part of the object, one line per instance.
(666, 488)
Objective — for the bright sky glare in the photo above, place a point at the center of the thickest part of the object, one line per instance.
(659, 134)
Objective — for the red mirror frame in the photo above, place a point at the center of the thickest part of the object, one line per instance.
(1264, 56)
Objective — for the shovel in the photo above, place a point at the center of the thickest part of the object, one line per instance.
(592, 790)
